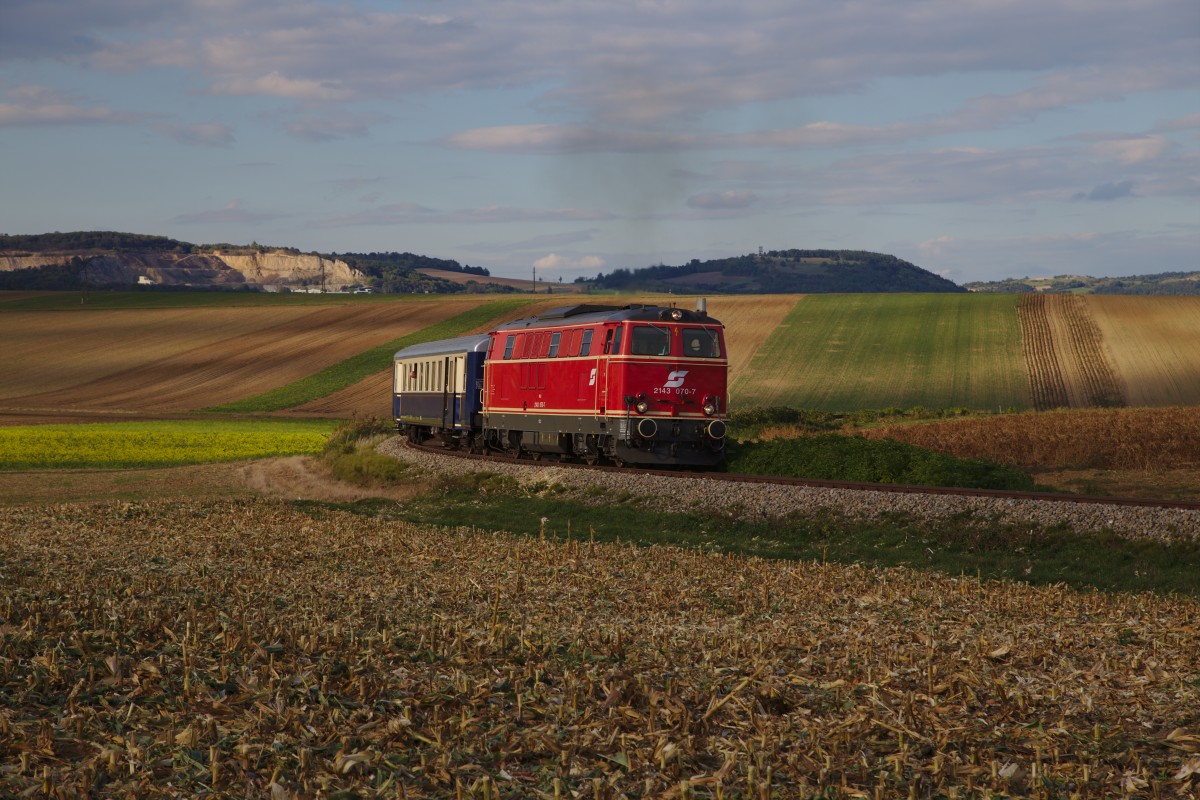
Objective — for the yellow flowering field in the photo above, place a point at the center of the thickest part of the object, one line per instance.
(121, 445)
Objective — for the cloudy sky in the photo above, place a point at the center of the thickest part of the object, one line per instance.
(980, 139)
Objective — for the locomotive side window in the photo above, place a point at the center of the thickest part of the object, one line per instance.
(508, 345)
(701, 343)
(612, 341)
(649, 340)
(586, 347)
(555, 339)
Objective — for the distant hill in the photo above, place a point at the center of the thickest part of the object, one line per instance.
(110, 259)
(781, 272)
(1162, 283)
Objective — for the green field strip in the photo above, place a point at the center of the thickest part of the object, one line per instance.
(867, 351)
(346, 373)
(128, 445)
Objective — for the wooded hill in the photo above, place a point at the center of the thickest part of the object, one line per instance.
(781, 272)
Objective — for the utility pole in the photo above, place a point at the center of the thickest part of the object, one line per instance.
(535, 278)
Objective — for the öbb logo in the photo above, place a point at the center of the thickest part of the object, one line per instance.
(675, 379)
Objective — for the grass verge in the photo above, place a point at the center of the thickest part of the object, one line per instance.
(348, 372)
(124, 445)
(351, 457)
(967, 545)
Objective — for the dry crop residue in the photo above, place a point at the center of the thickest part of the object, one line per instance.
(1065, 355)
(1121, 439)
(251, 649)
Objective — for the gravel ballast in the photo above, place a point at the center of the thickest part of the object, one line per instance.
(772, 501)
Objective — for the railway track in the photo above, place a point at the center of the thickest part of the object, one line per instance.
(893, 488)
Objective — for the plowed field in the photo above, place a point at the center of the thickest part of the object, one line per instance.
(1066, 355)
(748, 321)
(170, 361)
(1154, 343)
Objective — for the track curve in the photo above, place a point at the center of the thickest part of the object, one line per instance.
(815, 483)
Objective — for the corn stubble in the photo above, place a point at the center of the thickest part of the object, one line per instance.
(251, 649)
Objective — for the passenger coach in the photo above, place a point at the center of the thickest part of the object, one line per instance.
(633, 384)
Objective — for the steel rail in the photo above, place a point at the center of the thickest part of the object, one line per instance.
(816, 483)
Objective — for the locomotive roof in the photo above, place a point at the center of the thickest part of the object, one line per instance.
(477, 343)
(589, 313)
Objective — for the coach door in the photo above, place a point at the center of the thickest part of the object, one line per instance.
(450, 368)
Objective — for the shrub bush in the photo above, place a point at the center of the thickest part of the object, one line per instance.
(853, 458)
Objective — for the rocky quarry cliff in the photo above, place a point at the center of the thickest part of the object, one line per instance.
(216, 269)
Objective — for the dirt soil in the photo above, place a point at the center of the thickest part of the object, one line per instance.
(148, 368)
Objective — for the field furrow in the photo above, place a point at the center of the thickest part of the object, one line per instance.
(1092, 380)
(1154, 343)
(1046, 385)
(254, 361)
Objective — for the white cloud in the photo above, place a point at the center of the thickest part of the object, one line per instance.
(1135, 150)
(626, 63)
(38, 105)
(276, 85)
(553, 262)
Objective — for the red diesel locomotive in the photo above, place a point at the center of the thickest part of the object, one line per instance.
(633, 384)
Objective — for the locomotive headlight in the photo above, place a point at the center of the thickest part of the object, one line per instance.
(709, 409)
(642, 407)
(676, 314)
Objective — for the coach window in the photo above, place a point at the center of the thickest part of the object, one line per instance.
(649, 340)
(585, 346)
(555, 340)
(508, 345)
(701, 343)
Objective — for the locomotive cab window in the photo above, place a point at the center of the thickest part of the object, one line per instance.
(612, 341)
(508, 345)
(585, 347)
(649, 340)
(701, 343)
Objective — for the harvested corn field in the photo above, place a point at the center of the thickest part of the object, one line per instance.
(1123, 439)
(251, 649)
